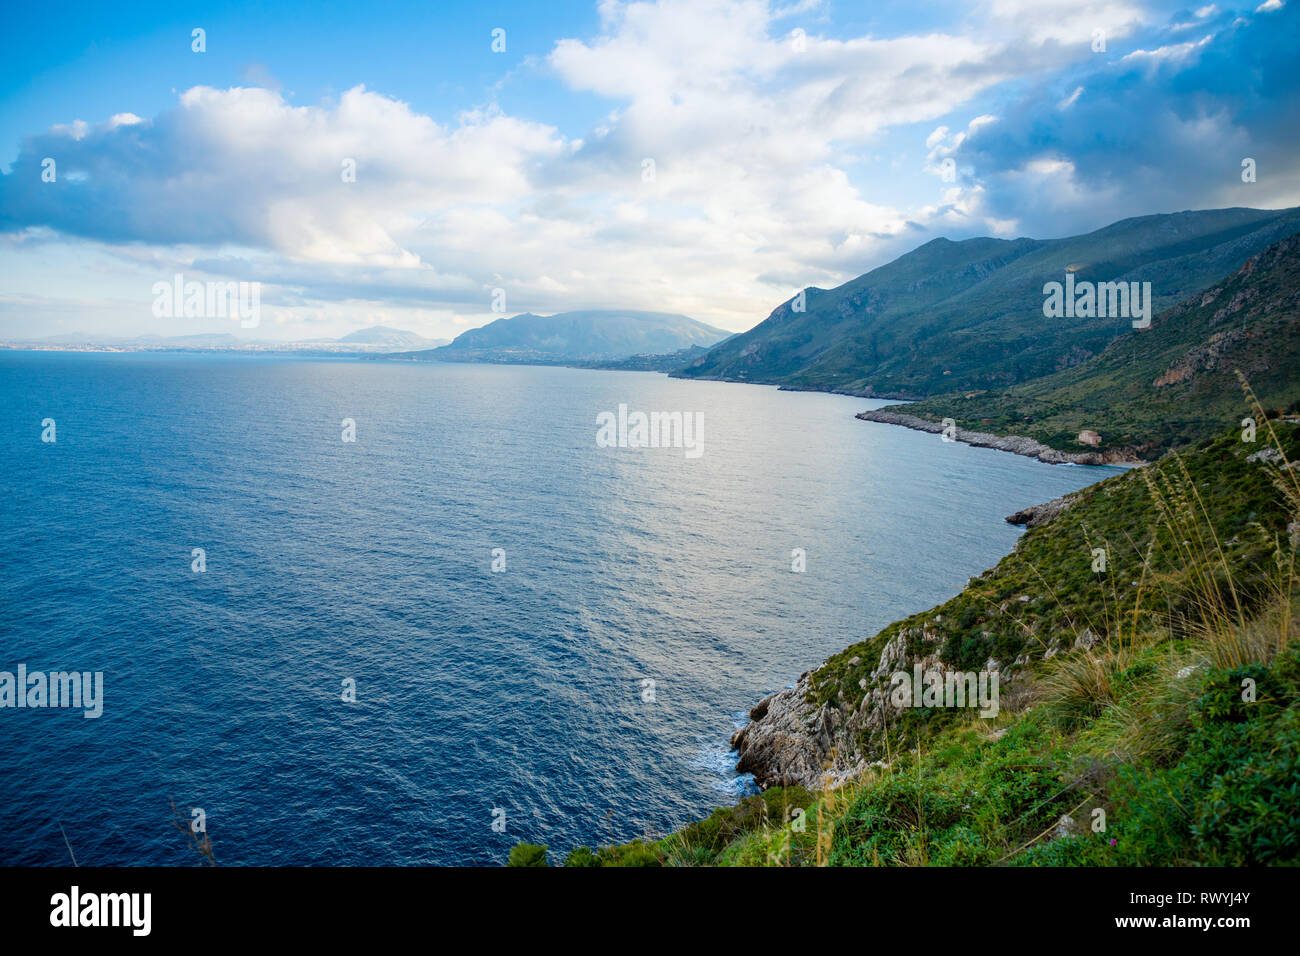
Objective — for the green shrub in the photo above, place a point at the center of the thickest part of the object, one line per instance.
(636, 853)
(527, 854)
(581, 856)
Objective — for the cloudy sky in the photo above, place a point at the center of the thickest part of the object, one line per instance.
(707, 157)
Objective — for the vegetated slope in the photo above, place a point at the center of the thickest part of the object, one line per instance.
(1149, 713)
(1173, 383)
(591, 335)
(962, 315)
(650, 362)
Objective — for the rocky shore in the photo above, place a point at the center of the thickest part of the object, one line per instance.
(1035, 515)
(1016, 444)
(794, 740)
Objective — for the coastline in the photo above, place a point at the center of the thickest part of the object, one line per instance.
(851, 393)
(796, 738)
(1016, 444)
(792, 741)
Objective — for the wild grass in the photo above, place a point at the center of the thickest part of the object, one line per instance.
(1164, 728)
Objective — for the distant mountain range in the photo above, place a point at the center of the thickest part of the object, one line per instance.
(590, 336)
(389, 337)
(376, 338)
(650, 362)
(960, 325)
(1172, 384)
(969, 315)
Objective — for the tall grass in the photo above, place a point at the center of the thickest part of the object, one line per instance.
(1141, 712)
(1126, 704)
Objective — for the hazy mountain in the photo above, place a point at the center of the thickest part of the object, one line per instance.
(67, 338)
(585, 336)
(969, 314)
(1170, 384)
(397, 338)
(662, 362)
(201, 340)
(376, 338)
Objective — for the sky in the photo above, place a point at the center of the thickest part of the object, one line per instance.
(419, 165)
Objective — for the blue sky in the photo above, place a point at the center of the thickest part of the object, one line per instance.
(791, 144)
(102, 60)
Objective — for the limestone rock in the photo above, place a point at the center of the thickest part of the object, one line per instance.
(1017, 444)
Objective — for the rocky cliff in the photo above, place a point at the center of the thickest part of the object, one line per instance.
(1016, 444)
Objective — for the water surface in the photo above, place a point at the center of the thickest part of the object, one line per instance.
(372, 560)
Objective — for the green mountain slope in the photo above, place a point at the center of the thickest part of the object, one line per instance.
(650, 362)
(1173, 383)
(1148, 713)
(1142, 640)
(963, 315)
(584, 336)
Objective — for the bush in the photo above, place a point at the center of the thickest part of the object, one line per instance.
(1232, 797)
(636, 853)
(1222, 702)
(581, 856)
(527, 854)
(772, 807)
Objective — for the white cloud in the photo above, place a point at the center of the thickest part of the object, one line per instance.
(1070, 100)
(754, 140)
(1068, 22)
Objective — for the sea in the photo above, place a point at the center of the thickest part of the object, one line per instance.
(363, 612)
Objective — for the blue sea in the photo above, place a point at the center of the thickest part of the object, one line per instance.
(520, 697)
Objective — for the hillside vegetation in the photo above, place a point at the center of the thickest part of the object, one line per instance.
(584, 336)
(1157, 388)
(1149, 713)
(969, 315)
(1141, 632)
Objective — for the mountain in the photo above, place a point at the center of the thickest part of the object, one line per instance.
(650, 362)
(89, 340)
(586, 336)
(375, 339)
(964, 315)
(198, 340)
(68, 338)
(1171, 384)
(395, 338)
